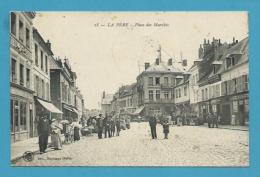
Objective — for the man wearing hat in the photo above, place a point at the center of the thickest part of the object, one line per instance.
(43, 132)
(100, 126)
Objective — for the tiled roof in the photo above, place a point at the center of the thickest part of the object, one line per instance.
(163, 67)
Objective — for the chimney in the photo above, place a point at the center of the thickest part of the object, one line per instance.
(234, 40)
(146, 66)
(170, 62)
(184, 62)
(157, 61)
(104, 94)
(48, 44)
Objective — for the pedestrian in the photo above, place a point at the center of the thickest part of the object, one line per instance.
(76, 127)
(112, 127)
(106, 126)
(166, 125)
(43, 132)
(55, 135)
(210, 120)
(215, 120)
(153, 123)
(118, 128)
(99, 124)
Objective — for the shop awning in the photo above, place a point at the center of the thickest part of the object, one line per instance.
(71, 109)
(49, 106)
(139, 110)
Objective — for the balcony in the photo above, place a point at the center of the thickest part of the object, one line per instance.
(159, 101)
(167, 86)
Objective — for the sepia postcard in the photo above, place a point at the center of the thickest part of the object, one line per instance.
(127, 89)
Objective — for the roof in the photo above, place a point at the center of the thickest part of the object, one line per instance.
(163, 68)
(108, 98)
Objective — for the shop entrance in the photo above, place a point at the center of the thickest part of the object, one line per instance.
(226, 115)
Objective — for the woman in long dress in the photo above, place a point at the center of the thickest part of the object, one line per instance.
(55, 135)
(76, 127)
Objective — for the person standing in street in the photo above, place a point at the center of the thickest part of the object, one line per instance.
(153, 123)
(106, 126)
(118, 128)
(55, 135)
(99, 124)
(166, 126)
(112, 127)
(215, 120)
(43, 132)
(210, 120)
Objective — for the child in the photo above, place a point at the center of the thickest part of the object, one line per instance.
(166, 127)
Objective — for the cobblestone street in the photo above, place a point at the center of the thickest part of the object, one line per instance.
(186, 146)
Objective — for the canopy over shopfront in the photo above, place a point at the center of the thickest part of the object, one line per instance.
(138, 110)
(50, 107)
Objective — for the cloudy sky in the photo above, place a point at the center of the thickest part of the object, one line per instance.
(106, 54)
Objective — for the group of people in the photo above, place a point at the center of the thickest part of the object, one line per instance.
(109, 125)
(213, 120)
(46, 128)
(53, 128)
(165, 121)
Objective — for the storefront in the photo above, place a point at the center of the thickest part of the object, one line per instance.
(69, 113)
(21, 111)
(47, 109)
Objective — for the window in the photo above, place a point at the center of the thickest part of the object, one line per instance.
(185, 90)
(166, 95)
(37, 86)
(173, 81)
(150, 81)
(179, 93)
(13, 23)
(28, 77)
(46, 64)
(166, 80)
(157, 81)
(176, 94)
(158, 96)
(150, 95)
(245, 81)
(228, 63)
(13, 70)
(36, 54)
(21, 31)
(43, 89)
(27, 35)
(12, 114)
(23, 113)
(172, 95)
(47, 92)
(214, 70)
(41, 60)
(206, 93)
(202, 94)
(16, 115)
(21, 75)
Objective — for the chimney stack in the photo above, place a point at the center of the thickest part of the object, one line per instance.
(104, 94)
(184, 62)
(234, 41)
(170, 62)
(146, 66)
(48, 44)
(157, 61)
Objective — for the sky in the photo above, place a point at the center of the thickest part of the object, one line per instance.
(109, 49)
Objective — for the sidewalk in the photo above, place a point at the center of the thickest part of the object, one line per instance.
(231, 127)
(31, 144)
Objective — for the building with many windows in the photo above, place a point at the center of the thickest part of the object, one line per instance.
(21, 82)
(63, 88)
(155, 86)
(42, 54)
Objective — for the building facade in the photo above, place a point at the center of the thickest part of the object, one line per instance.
(155, 86)
(21, 82)
(42, 54)
(63, 89)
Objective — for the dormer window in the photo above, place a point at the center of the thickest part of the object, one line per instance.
(231, 61)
